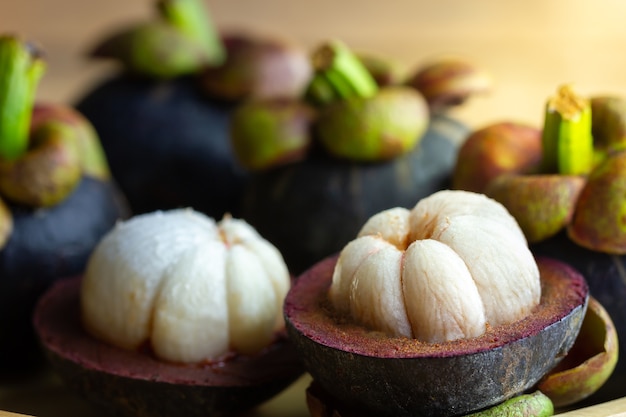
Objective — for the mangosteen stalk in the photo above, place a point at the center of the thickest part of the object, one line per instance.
(192, 18)
(21, 68)
(339, 74)
(567, 140)
(181, 41)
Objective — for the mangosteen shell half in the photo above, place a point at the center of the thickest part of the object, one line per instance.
(130, 383)
(311, 209)
(44, 246)
(375, 374)
(606, 276)
(167, 144)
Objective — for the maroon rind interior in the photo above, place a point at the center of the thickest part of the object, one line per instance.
(57, 322)
(308, 310)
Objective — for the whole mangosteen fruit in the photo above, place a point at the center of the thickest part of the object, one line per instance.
(164, 119)
(56, 195)
(153, 329)
(359, 148)
(412, 317)
(569, 201)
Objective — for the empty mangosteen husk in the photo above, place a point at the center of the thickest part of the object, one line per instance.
(44, 246)
(132, 383)
(312, 209)
(374, 374)
(167, 144)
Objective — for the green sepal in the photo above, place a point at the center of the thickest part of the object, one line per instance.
(154, 49)
(21, 68)
(567, 139)
(339, 75)
(535, 404)
(192, 18)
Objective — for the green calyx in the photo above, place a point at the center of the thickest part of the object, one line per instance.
(192, 18)
(21, 68)
(48, 172)
(379, 128)
(181, 42)
(339, 75)
(535, 404)
(567, 138)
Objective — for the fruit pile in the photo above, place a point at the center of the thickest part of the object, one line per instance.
(366, 238)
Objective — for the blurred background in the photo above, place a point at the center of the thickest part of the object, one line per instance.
(529, 47)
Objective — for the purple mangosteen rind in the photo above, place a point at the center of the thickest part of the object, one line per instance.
(62, 238)
(131, 383)
(385, 376)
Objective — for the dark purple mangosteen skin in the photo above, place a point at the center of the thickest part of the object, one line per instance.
(168, 145)
(312, 209)
(133, 384)
(44, 246)
(606, 276)
(376, 375)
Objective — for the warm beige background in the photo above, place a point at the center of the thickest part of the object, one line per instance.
(530, 47)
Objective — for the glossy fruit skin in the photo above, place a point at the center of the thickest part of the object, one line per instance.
(167, 144)
(311, 209)
(606, 279)
(397, 377)
(47, 245)
(136, 384)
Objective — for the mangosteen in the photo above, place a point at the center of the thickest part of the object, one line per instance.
(176, 314)
(569, 199)
(164, 118)
(413, 317)
(56, 198)
(361, 147)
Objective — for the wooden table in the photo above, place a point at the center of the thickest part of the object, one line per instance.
(529, 47)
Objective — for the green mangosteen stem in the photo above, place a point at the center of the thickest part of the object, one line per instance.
(339, 74)
(193, 18)
(21, 69)
(567, 139)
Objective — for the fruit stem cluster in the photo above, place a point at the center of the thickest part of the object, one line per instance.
(567, 140)
(192, 18)
(339, 74)
(21, 68)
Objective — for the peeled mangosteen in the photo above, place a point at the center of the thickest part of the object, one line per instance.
(57, 195)
(152, 329)
(165, 126)
(569, 201)
(367, 148)
(388, 327)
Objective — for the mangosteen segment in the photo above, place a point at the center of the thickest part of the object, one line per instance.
(132, 383)
(397, 376)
